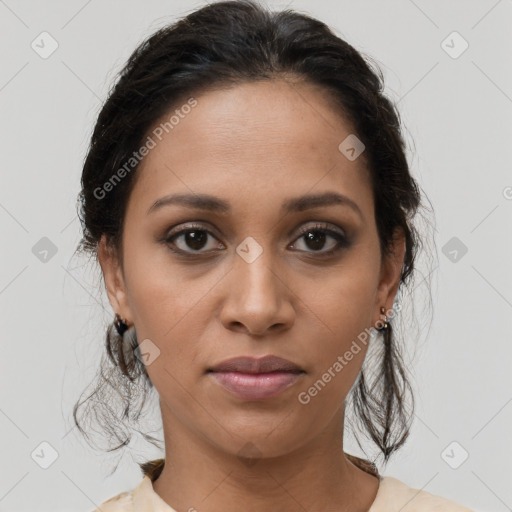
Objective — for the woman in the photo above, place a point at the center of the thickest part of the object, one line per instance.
(248, 198)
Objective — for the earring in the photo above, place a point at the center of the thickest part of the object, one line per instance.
(120, 325)
(127, 349)
(385, 326)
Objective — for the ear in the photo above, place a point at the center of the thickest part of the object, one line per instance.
(114, 280)
(390, 274)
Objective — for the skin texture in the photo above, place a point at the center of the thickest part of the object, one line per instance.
(254, 145)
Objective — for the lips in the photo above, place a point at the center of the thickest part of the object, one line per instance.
(253, 379)
(267, 364)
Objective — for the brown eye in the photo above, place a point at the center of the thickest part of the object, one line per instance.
(191, 239)
(195, 239)
(316, 238)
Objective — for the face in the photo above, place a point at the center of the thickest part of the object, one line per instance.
(253, 270)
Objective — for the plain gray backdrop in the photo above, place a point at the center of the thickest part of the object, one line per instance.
(456, 105)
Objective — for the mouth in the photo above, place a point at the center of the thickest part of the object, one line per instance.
(252, 365)
(249, 378)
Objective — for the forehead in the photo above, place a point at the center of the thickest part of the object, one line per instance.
(266, 138)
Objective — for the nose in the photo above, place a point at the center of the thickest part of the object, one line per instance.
(258, 299)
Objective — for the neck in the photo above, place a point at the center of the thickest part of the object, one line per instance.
(316, 476)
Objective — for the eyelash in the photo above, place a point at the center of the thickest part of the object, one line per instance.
(342, 240)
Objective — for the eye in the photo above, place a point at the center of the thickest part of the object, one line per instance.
(315, 237)
(192, 239)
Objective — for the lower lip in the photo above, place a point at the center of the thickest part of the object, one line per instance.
(258, 386)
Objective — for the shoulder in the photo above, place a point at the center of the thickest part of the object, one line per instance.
(122, 502)
(394, 495)
(139, 498)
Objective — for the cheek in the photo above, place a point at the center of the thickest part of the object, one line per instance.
(157, 293)
(343, 300)
(342, 308)
(168, 308)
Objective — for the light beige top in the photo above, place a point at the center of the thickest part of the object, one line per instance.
(393, 495)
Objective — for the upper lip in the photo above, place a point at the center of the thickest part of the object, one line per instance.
(267, 364)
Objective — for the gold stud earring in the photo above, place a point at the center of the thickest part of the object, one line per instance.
(385, 326)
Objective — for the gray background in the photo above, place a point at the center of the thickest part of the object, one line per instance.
(457, 112)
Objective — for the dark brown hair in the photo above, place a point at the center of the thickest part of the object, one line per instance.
(220, 45)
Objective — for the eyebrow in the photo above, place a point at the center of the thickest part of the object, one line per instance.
(215, 204)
